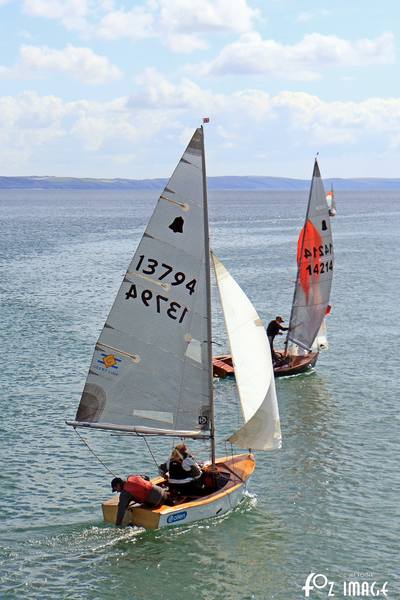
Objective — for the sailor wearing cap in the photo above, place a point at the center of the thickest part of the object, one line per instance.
(275, 328)
(136, 489)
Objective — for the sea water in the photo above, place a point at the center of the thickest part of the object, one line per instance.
(326, 504)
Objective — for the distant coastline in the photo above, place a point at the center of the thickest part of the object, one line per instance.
(245, 183)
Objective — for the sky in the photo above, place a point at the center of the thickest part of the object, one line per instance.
(108, 88)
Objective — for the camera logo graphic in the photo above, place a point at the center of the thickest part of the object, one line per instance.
(317, 581)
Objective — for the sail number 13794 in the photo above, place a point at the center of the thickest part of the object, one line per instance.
(174, 310)
(164, 272)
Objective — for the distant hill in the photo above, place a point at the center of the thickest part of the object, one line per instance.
(214, 183)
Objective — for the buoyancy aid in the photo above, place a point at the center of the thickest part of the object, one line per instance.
(176, 471)
(138, 487)
(183, 472)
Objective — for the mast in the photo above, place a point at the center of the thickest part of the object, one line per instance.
(301, 255)
(208, 295)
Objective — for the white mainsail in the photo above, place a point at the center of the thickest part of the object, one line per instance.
(315, 269)
(151, 368)
(251, 357)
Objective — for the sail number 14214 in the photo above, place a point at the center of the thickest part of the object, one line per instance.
(318, 251)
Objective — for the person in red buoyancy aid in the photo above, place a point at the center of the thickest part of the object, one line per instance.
(136, 489)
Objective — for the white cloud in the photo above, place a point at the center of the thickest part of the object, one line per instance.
(71, 13)
(337, 122)
(95, 18)
(180, 24)
(183, 22)
(81, 63)
(325, 122)
(134, 24)
(28, 121)
(158, 93)
(207, 15)
(31, 124)
(252, 55)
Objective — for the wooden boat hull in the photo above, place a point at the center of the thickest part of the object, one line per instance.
(296, 365)
(239, 469)
(223, 366)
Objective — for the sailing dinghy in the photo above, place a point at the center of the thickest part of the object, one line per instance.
(306, 335)
(151, 372)
(331, 200)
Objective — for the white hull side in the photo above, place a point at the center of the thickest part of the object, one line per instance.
(218, 507)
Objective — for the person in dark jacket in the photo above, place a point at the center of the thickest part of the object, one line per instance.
(183, 472)
(275, 328)
(136, 489)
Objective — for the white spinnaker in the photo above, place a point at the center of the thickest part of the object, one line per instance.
(151, 368)
(253, 366)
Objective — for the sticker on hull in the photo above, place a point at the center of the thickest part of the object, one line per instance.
(177, 517)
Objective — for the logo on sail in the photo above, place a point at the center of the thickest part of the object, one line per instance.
(109, 361)
(177, 225)
(308, 235)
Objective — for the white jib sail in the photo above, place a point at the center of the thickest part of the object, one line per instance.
(253, 366)
(321, 341)
(151, 368)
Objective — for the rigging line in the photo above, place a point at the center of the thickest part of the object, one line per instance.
(93, 452)
(233, 472)
(226, 454)
(149, 449)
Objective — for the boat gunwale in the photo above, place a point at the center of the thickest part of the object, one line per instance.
(301, 364)
(165, 509)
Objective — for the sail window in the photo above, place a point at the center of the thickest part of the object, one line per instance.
(193, 350)
(154, 415)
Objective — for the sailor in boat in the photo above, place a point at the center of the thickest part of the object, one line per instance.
(136, 489)
(275, 328)
(184, 474)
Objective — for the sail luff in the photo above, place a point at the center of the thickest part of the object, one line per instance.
(208, 296)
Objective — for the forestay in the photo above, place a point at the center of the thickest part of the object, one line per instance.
(251, 357)
(315, 269)
(151, 368)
